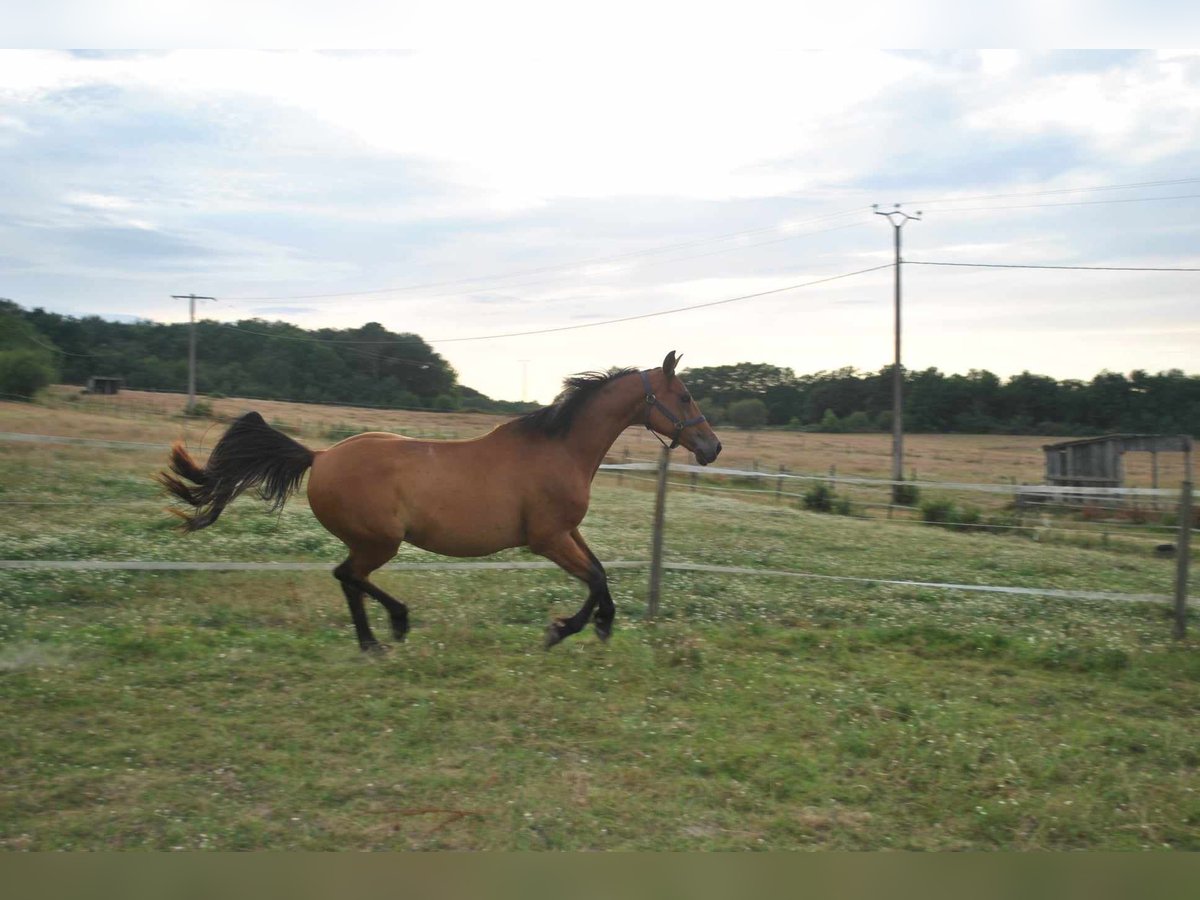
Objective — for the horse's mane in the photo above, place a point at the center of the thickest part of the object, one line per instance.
(556, 419)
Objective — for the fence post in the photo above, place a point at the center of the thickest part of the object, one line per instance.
(779, 482)
(660, 507)
(1182, 554)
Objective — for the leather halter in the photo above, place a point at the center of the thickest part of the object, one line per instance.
(653, 403)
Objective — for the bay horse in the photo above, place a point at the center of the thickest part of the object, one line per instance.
(526, 483)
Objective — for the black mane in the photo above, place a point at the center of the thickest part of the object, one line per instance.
(556, 419)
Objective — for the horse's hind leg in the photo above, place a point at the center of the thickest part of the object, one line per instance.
(606, 610)
(352, 575)
(572, 554)
(354, 599)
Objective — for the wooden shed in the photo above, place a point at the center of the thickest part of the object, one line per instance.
(1097, 462)
(104, 384)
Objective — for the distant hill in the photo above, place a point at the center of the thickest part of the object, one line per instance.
(372, 366)
(367, 365)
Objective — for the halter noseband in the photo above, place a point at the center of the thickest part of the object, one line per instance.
(653, 403)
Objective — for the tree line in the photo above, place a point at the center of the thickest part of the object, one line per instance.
(751, 394)
(367, 365)
(370, 365)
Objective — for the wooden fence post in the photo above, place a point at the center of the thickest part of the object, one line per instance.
(1182, 554)
(779, 482)
(660, 508)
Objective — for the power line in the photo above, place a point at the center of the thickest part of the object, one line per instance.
(54, 349)
(916, 262)
(540, 269)
(539, 281)
(1069, 203)
(483, 279)
(665, 312)
(1046, 193)
(483, 337)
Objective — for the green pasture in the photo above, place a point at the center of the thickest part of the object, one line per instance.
(233, 710)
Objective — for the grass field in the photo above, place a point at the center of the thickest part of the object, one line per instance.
(972, 458)
(233, 710)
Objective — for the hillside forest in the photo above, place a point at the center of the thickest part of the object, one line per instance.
(370, 365)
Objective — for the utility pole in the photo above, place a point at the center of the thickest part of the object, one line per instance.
(896, 217)
(191, 298)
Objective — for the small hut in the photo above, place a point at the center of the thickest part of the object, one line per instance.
(104, 384)
(1097, 462)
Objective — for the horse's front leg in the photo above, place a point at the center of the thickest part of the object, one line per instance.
(568, 551)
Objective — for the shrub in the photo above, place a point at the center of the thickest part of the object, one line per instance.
(341, 430)
(949, 515)
(830, 423)
(24, 372)
(819, 498)
(905, 494)
(201, 409)
(713, 411)
(857, 422)
(938, 512)
(748, 413)
(968, 517)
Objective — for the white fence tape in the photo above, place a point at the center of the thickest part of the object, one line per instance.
(135, 565)
(1029, 489)
(1026, 489)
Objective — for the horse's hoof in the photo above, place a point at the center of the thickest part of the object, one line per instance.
(374, 647)
(554, 633)
(603, 631)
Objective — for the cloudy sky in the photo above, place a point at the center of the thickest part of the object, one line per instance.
(464, 195)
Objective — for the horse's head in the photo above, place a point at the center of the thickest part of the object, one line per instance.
(672, 412)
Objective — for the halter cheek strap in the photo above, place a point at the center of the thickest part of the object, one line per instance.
(653, 403)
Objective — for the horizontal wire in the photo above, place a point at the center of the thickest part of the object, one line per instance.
(670, 566)
(916, 262)
(1083, 190)
(1097, 531)
(540, 269)
(1069, 203)
(351, 345)
(665, 312)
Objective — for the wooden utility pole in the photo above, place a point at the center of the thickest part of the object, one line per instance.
(1182, 558)
(897, 218)
(191, 298)
(660, 508)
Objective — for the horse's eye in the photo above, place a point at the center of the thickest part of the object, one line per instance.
(686, 398)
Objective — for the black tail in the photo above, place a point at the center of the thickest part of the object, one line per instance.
(250, 454)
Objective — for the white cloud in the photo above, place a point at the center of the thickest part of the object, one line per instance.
(1138, 113)
(519, 129)
(233, 173)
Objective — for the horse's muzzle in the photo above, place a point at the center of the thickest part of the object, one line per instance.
(707, 451)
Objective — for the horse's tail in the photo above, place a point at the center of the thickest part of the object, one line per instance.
(250, 454)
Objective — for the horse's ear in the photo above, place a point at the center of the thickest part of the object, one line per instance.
(669, 364)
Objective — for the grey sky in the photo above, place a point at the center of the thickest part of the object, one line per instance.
(497, 192)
